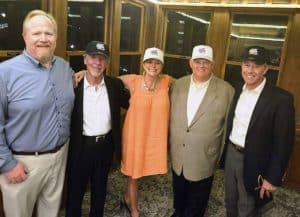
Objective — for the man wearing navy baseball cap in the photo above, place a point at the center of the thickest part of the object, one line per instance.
(96, 47)
(260, 136)
(95, 131)
(256, 54)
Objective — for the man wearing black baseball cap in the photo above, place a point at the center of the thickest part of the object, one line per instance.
(256, 54)
(95, 131)
(260, 136)
(96, 47)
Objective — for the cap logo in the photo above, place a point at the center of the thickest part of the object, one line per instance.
(100, 46)
(154, 52)
(253, 51)
(202, 50)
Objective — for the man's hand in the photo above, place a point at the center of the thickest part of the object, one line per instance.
(17, 174)
(266, 188)
(77, 77)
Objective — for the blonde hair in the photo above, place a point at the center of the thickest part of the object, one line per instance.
(35, 13)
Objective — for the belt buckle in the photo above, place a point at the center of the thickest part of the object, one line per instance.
(238, 148)
(97, 139)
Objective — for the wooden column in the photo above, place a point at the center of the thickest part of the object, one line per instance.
(217, 38)
(290, 80)
(58, 8)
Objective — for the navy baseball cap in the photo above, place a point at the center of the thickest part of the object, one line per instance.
(256, 54)
(97, 47)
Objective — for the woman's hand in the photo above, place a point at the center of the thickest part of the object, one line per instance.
(77, 77)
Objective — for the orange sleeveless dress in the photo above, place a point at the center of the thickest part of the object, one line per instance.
(145, 130)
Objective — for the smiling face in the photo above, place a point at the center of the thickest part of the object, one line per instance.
(95, 65)
(253, 74)
(202, 69)
(40, 36)
(152, 67)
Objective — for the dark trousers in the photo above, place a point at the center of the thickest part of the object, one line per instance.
(238, 202)
(191, 198)
(92, 166)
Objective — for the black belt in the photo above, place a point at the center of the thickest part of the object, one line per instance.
(95, 139)
(36, 153)
(237, 147)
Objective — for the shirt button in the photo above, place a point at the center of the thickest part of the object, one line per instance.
(187, 130)
(183, 145)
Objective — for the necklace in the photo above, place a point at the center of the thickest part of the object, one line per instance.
(151, 88)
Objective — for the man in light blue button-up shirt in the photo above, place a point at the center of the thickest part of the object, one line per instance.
(36, 101)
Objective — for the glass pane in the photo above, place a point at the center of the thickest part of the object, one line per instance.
(129, 64)
(176, 67)
(4, 58)
(85, 23)
(12, 14)
(130, 27)
(263, 30)
(233, 75)
(185, 30)
(76, 62)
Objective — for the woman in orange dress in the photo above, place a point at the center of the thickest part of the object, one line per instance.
(145, 129)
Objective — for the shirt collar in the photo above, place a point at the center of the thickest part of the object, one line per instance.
(258, 89)
(35, 61)
(86, 84)
(201, 84)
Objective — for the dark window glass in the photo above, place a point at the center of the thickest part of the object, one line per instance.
(76, 62)
(4, 58)
(12, 14)
(185, 30)
(176, 67)
(264, 30)
(233, 74)
(130, 27)
(129, 64)
(85, 23)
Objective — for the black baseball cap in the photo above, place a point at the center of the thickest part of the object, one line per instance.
(256, 54)
(97, 47)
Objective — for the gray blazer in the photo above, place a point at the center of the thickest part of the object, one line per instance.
(197, 148)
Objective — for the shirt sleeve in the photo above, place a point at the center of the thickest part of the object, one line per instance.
(7, 161)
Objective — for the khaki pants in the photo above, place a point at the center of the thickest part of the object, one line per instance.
(42, 188)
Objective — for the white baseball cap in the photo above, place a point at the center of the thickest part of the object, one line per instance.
(154, 53)
(202, 52)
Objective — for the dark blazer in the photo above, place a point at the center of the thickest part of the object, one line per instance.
(270, 136)
(118, 97)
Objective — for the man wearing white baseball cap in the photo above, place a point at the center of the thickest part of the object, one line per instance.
(199, 106)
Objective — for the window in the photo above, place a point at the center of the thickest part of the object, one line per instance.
(130, 27)
(85, 23)
(264, 30)
(12, 14)
(185, 29)
(130, 38)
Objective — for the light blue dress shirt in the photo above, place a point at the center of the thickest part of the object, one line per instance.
(35, 106)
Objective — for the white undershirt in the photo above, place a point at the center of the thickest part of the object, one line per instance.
(96, 111)
(195, 97)
(243, 112)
